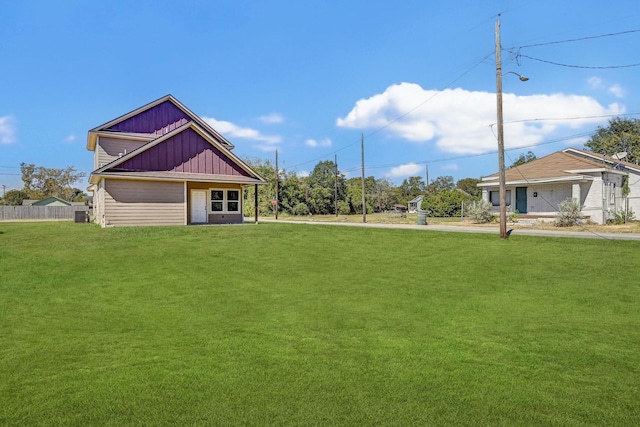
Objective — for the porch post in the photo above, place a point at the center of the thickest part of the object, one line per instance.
(255, 193)
(575, 192)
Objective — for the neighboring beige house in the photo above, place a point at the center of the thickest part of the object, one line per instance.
(162, 165)
(594, 180)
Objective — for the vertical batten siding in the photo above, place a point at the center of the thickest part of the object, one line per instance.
(144, 203)
(186, 152)
(159, 120)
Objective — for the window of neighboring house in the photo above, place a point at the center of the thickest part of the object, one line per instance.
(495, 198)
(225, 201)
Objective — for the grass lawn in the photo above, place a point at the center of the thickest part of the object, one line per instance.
(290, 324)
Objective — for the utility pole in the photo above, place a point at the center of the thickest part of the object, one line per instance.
(4, 191)
(502, 179)
(364, 200)
(335, 193)
(277, 195)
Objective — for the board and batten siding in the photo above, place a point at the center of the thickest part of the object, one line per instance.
(129, 203)
(109, 149)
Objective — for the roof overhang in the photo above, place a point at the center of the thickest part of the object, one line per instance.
(175, 177)
(92, 139)
(552, 180)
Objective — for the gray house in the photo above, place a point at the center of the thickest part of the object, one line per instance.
(594, 180)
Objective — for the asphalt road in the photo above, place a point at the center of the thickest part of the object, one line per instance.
(472, 229)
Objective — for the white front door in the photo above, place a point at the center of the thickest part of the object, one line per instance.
(198, 206)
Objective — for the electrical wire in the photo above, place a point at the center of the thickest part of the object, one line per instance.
(591, 67)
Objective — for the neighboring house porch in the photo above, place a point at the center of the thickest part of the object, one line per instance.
(538, 187)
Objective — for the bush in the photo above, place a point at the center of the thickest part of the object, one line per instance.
(300, 209)
(480, 212)
(569, 213)
(622, 217)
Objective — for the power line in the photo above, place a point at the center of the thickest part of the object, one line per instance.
(579, 39)
(592, 67)
(377, 130)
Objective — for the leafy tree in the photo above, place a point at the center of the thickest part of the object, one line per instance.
(292, 191)
(412, 187)
(470, 186)
(441, 183)
(322, 182)
(265, 169)
(445, 203)
(14, 197)
(354, 193)
(385, 195)
(523, 158)
(621, 135)
(40, 182)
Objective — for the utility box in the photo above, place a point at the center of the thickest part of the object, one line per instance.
(81, 216)
(422, 218)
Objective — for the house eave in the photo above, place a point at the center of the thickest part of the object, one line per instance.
(574, 178)
(175, 177)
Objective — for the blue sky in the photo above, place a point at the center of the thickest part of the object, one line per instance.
(307, 78)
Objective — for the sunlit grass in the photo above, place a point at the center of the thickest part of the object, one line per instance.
(280, 324)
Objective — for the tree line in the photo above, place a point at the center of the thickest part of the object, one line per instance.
(327, 191)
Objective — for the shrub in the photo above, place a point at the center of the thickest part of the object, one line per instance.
(622, 217)
(512, 214)
(480, 211)
(568, 213)
(300, 209)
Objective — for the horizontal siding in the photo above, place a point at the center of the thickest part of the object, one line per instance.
(144, 203)
(109, 149)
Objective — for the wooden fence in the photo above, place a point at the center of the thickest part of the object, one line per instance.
(17, 213)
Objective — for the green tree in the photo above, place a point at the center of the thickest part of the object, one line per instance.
(441, 183)
(523, 158)
(445, 203)
(354, 193)
(40, 182)
(470, 186)
(622, 135)
(412, 187)
(14, 197)
(266, 170)
(322, 188)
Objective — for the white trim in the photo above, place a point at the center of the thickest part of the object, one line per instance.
(225, 201)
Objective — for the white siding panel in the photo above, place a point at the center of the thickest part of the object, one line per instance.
(144, 203)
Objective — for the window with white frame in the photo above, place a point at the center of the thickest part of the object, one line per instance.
(225, 201)
(495, 197)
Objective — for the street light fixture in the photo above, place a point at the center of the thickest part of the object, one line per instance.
(501, 173)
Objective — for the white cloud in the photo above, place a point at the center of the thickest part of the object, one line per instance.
(450, 167)
(313, 143)
(231, 130)
(272, 118)
(409, 169)
(303, 174)
(70, 139)
(460, 121)
(595, 82)
(617, 91)
(7, 129)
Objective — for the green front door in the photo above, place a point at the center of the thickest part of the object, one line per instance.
(521, 199)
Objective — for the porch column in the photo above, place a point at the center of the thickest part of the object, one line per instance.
(575, 192)
(255, 193)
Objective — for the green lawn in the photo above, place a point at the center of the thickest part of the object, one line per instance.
(290, 324)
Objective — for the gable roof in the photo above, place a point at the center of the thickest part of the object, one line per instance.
(183, 153)
(50, 200)
(154, 119)
(558, 166)
(603, 159)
